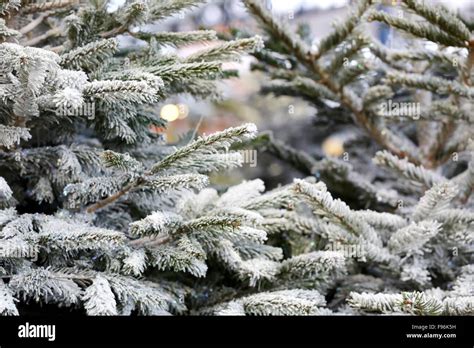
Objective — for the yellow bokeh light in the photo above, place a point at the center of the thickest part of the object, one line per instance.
(333, 147)
(169, 112)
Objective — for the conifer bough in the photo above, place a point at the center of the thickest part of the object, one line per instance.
(99, 215)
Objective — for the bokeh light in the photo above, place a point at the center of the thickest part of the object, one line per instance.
(333, 147)
(170, 112)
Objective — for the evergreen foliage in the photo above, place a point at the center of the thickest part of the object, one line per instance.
(100, 215)
(352, 79)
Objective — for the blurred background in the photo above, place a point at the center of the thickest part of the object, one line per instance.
(292, 120)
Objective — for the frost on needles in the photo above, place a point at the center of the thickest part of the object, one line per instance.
(99, 215)
(419, 227)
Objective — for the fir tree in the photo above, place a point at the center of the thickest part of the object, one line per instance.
(100, 215)
(415, 104)
(84, 223)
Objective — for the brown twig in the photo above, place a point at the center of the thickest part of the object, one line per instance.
(123, 29)
(149, 242)
(110, 199)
